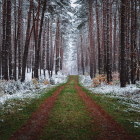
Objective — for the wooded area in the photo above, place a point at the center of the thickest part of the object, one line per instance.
(33, 36)
(29, 40)
(109, 41)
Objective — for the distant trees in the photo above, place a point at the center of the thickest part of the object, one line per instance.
(30, 44)
(112, 39)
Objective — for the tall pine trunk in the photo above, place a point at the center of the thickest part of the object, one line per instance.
(91, 37)
(61, 52)
(44, 48)
(26, 42)
(19, 40)
(105, 34)
(8, 38)
(122, 73)
(36, 32)
(52, 51)
(82, 55)
(132, 43)
(98, 40)
(48, 50)
(4, 40)
(108, 47)
(39, 39)
(57, 48)
(115, 46)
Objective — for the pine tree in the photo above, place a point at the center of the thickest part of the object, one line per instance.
(122, 73)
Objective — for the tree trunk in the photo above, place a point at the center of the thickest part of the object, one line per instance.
(8, 39)
(110, 69)
(115, 46)
(36, 28)
(82, 55)
(98, 40)
(105, 45)
(4, 40)
(108, 45)
(122, 74)
(1, 41)
(39, 39)
(44, 48)
(91, 37)
(19, 39)
(48, 50)
(15, 45)
(57, 48)
(52, 56)
(61, 52)
(132, 44)
(26, 43)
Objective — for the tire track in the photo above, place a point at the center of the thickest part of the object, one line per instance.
(32, 129)
(107, 126)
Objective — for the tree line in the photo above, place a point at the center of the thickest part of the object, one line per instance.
(33, 37)
(108, 38)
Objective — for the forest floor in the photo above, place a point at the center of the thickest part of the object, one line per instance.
(70, 114)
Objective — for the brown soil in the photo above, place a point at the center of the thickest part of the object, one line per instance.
(32, 129)
(109, 129)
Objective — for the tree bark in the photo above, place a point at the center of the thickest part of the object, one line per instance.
(8, 40)
(122, 73)
(91, 37)
(108, 45)
(82, 55)
(98, 40)
(39, 39)
(61, 51)
(57, 48)
(19, 39)
(4, 40)
(26, 42)
(48, 50)
(115, 46)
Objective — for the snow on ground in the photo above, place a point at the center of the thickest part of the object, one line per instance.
(17, 90)
(129, 95)
(130, 91)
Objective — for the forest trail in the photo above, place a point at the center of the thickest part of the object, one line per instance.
(81, 119)
(35, 125)
(109, 129)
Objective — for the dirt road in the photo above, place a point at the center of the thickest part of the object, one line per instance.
(105, 124)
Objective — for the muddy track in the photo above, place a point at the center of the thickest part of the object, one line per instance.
(32, 129)
(109, 129)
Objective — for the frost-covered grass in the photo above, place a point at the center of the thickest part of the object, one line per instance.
(129, 94)
(30, 89)
(123, 104)
(17, 108)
